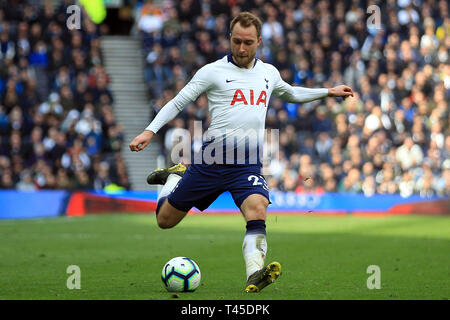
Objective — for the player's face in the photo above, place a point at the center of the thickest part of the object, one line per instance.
(244, 42)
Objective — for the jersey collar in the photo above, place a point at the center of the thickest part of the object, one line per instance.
(230, 59)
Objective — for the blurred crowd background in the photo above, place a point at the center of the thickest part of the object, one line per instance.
(58, 129)
(393, 137)
(57, 125)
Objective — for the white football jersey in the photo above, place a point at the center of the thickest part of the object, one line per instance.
(238, 99)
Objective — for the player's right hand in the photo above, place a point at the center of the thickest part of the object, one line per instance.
(141, 141)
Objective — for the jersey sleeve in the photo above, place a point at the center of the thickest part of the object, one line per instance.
(167, 113)
(199, 83)
(288, 93)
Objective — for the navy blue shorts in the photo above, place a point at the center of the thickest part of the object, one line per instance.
(202, 184)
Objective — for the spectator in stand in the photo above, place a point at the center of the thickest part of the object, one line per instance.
(6, 180)
(409, 154)
(26, 182)
(102, 177)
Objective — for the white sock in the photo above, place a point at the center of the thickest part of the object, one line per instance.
(254, 250)
(171, 183)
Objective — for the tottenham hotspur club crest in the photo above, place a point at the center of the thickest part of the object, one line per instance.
(267, 83)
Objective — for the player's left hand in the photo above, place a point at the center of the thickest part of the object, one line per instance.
(342, 91)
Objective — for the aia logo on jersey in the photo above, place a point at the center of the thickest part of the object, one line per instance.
(250, 99)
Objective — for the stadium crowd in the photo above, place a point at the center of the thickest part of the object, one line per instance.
(392, 137)
(57, 125)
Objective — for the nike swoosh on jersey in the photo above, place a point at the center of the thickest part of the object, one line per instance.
(230, 80)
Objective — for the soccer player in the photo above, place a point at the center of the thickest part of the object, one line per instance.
(238, 88)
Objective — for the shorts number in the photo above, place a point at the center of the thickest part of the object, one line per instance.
(256, 181)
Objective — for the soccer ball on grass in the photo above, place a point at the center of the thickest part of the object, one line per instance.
(181, 274)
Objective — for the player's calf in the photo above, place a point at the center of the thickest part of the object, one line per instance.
(166, 215)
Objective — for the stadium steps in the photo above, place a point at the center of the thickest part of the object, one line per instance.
(125, 62)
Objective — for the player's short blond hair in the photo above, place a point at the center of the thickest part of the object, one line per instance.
(246, 19)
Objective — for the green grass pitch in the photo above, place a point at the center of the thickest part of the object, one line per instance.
(121, 257)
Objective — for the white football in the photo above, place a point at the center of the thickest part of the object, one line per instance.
(181, 274)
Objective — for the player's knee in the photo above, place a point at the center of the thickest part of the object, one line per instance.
(257, 210)
(168, 216)
(164, 222)
(163, 218)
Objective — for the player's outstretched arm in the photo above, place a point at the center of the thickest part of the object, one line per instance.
(198, 84)
(296, 94)
(141, 141)
(342, 91)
